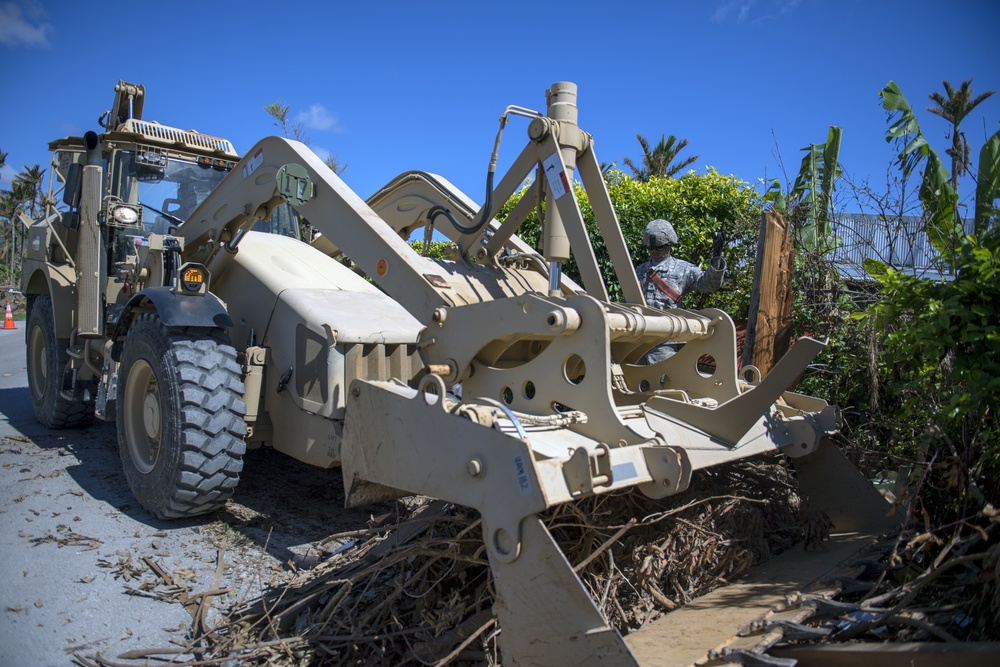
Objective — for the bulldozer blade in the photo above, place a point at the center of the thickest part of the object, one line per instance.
(709, 624)
(836, 486)
(546, 615)
(859, 515)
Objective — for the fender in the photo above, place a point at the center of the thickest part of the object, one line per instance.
(60, 283)
(174, 310)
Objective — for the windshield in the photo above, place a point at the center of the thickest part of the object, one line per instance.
(284, 221)
(170, 185)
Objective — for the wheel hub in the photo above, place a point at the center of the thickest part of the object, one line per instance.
(143, 416)
(151, 416)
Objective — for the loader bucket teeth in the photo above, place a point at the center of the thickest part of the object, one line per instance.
(545, 611)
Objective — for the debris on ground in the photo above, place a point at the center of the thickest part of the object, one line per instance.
(930, 584)
(417, 586)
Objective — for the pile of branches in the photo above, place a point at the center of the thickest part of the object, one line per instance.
(416, 587)
(934, 582)
(419, 589)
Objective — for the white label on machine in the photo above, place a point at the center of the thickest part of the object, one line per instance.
(623, 471)
(523, 478)
(253, 163)
(556, 175)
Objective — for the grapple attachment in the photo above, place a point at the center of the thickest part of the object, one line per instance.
(532, 392)
(548, 416)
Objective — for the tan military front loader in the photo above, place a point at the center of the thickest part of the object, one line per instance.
(489, 379)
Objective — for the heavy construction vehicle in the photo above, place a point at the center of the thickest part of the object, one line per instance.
(155, 301)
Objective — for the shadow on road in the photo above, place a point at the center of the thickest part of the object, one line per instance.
(94, 466)
(281, 504)
(292, 505)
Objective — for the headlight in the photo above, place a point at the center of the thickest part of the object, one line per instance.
(149, 157)
(125, 215)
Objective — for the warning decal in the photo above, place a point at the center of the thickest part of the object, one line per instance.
(253, 163)
(556, 175)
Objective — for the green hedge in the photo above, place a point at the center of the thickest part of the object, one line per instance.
(698, 205)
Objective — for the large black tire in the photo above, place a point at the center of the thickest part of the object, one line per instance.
(47, 359)
(180, 418)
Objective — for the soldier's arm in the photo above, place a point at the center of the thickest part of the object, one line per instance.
(708, 280)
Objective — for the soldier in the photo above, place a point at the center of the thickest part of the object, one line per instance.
(665, 279)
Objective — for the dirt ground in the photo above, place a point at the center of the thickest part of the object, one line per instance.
(84, 570)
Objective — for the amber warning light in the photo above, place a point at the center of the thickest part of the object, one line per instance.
(193, 279)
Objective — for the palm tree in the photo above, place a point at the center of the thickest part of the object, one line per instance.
(28, 186)
(954, 109)
(658, 162)
(24, 195)
(9, 203)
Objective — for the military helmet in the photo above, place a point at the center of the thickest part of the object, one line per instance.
(658, 233)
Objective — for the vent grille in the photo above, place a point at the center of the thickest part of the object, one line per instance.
(192, 140)
(381, 362)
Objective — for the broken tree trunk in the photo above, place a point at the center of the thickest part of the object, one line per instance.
(769, 322)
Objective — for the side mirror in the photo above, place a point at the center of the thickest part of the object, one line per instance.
(71, 193)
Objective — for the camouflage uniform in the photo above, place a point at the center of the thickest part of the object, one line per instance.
(678, 278)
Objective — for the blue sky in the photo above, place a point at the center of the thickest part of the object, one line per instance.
(392, 86)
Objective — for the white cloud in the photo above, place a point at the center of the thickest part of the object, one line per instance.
(316, 117)
(7, 174)
(740, 10)
(18, 30)
(322, 153)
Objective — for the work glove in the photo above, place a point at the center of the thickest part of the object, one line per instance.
(718, 244)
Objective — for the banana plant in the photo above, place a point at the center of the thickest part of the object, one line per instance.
(810, 198)
(988, 184)
(937, 194)
(815, 185)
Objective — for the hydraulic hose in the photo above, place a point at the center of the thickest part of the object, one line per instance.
(437, 210)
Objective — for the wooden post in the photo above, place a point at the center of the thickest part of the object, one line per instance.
(768, 325)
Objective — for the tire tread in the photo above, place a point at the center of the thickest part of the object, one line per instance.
(210, 391)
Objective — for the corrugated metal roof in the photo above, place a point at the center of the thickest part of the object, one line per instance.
(901, 243)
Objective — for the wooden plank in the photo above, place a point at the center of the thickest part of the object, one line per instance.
(914, 654)
(686, 635)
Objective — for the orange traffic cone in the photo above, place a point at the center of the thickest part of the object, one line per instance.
(8, 319)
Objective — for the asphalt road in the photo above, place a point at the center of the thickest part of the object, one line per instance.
(74, 543)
